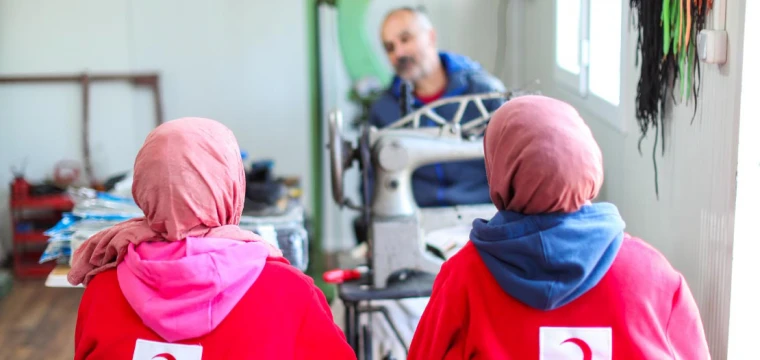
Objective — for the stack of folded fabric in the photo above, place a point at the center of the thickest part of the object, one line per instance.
(93, 211)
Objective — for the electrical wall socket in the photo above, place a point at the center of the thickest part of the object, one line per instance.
(712, 46)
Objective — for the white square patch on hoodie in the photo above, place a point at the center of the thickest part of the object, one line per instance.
(575, 343)
(153, 350)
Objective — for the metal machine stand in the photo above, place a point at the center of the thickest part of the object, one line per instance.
(357, 297)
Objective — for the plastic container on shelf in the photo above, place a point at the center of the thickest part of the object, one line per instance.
(291, 235)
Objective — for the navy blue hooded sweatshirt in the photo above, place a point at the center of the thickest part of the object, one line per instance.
(450, 183)
(548, 260)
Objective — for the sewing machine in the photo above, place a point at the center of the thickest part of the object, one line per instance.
(406, 244)
(397, 226)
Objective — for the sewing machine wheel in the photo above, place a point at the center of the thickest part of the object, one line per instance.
(365, 164)
(341, 155)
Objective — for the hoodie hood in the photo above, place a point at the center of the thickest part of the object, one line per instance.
(549, 260)
(456, 66)
(184, 289)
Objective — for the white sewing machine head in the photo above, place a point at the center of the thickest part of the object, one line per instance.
(397, 226)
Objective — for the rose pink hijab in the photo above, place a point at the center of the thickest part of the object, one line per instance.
(541, 157)
(189, 181)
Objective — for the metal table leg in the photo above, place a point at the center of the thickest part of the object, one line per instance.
(352, 326)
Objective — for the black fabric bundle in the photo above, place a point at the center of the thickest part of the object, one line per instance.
(666, 50)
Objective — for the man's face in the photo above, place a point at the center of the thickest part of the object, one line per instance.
(410, 47)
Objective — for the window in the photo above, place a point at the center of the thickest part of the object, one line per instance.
(588, 50)
(568, 17)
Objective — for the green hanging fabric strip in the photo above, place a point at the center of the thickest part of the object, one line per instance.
(690, 61)
(683, 74)
(681, 48)
(667, 35)
(674, 24)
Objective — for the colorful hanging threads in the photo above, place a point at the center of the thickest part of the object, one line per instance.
(666, 50)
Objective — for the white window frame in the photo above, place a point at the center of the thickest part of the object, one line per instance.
(575, 88)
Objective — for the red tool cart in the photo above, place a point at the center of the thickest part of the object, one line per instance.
(31, 215)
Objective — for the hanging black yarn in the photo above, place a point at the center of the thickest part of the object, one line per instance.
(652, 82)
(666, 51)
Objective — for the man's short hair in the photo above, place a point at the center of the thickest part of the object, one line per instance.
(419, 13)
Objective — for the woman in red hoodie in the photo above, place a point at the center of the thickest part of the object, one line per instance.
(184, 282)
(552, 276)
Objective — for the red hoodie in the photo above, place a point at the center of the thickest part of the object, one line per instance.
(212, 300)
(640, 309)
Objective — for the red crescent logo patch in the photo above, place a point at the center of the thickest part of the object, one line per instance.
(167, 356)
(582, 345)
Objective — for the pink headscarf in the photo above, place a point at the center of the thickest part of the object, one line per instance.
(189, 181)
(541, 157)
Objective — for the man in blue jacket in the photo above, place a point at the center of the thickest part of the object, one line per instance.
(410, 43)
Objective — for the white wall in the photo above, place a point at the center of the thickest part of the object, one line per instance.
(745, 314)
(244, 63)
(692, 223)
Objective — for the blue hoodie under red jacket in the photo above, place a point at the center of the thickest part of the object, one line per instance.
(559, 287)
